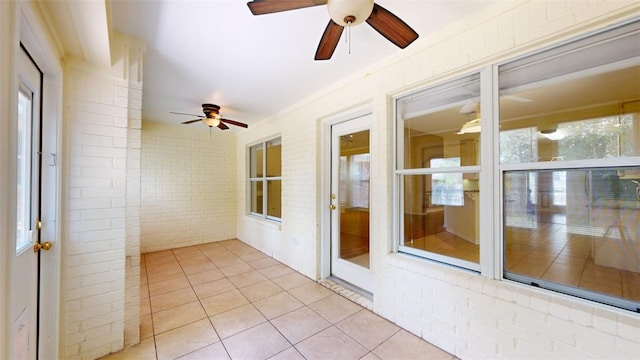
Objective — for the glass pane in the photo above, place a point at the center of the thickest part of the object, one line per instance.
(274, 158)
(256, 197)
(274, 198)
(441, 123)
(23, 171)
(581, 104)
(588, 239)
(518, 146)
(256, 161)
(603, 137)
(359, 180)
(354, 197)
(343, 187)
(441, 214)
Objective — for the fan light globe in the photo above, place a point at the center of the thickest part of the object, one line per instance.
(212, 122)
(340, 9)
(470, 127)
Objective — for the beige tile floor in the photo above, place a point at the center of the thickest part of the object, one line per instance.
(549, 251)
(226, 300)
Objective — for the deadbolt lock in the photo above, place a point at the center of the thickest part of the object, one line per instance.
(332, 207)
(44, 246)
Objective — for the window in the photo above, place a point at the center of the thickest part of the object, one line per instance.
(24, 164)
(569, 153)
(437, 172)
(447, 189)
(566, 170)
(265, 179)
(354, 191)
(559, 189)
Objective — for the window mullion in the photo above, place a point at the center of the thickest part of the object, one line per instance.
(265, 188)
(436, 171)
(490, 249)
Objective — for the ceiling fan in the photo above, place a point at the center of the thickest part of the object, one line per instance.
(344, 13)
(212, 118)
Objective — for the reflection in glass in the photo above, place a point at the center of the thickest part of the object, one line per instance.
(256, 156)
(519, 146)
(266, 173)
(590, 115)
(274, 158)
(446, 188)
(448, 227)
(439, 135)
(589, 240)
(23, 171)
(432, 124)
(354, 197)
(274, 188)
(256, 197)
(574, 230)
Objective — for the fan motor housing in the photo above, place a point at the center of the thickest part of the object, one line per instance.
(210, 107)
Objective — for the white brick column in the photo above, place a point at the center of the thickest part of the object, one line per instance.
(101, 204)
(134, 146)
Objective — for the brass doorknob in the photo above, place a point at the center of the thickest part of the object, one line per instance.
(332, 207)
(44, 246)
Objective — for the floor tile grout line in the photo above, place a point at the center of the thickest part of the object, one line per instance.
(153, 335)
(219, 337)
(270, 321)
(213, 327)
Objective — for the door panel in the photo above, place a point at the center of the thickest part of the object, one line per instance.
(24, 281)
(350, 169)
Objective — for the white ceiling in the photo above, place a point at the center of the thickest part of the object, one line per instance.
(254, 66)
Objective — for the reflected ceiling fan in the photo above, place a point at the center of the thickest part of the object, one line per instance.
(212, 118)
(344, 13)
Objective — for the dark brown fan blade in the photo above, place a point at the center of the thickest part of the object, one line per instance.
(233, 122)
(391, 27)
(179, 113)
(191, 121)
(260, 7)
(222, 126)
(329, 41)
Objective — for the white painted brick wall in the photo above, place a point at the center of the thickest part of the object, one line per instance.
(101, 253)
(464, 313)
(188, 191)
(133, 94)
(96, 213)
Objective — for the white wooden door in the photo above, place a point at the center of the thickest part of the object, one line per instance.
(350, 205)
(26, 130)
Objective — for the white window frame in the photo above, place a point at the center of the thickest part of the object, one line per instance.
(491, 172)
(485, 266)
(559, 50)
(264, 179)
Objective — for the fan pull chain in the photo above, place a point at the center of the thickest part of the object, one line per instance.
(349, 36)
(349, 19)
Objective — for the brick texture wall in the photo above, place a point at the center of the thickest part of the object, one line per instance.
(102, 110)
(189, 184)
(462, 312)
(134, 54)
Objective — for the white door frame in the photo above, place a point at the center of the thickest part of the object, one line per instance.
(325, 183)
(31, 32)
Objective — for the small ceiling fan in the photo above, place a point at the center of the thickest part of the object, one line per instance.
(212, 118)
(344, 13)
